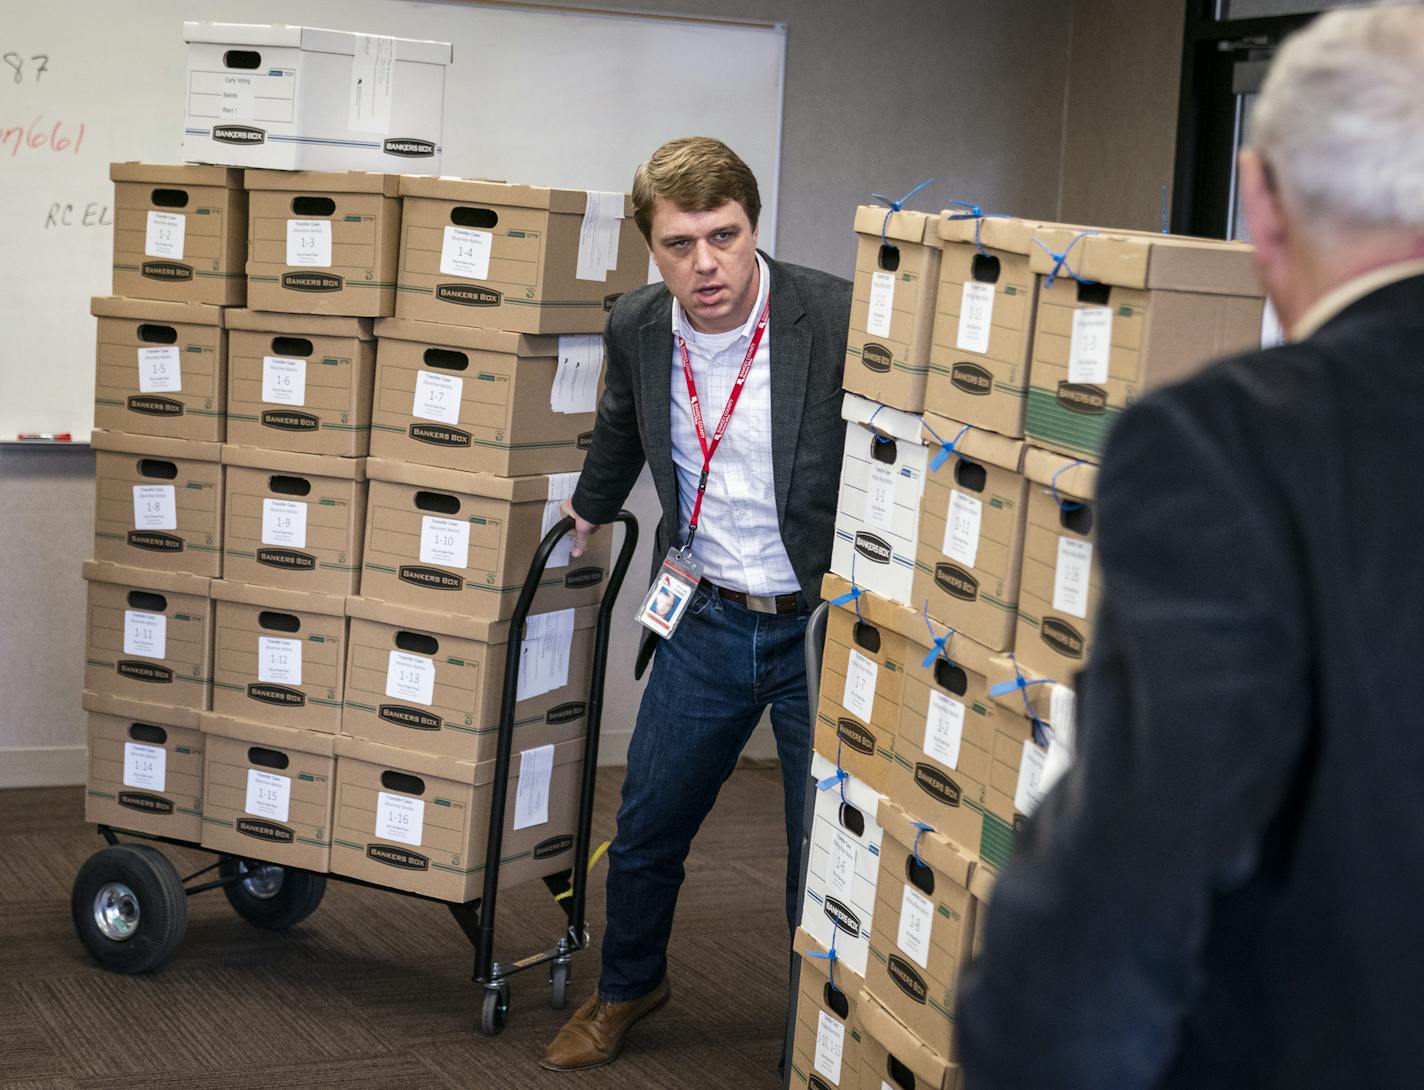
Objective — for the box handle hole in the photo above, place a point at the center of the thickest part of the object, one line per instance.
(156, 467)
(170, 198)
(289, 486)
(147, 601)
(474, 217)
(921, 876)
(950, 677)
(889, 257)
(446, 359)
(403, 783)
(313, 206)
(417, 643)
(442, 503)
(146, 732)
(1094, 294)
(292, 346)
(267, 758)
(242, 58)
(852, 820)
(900, 1075)
(279, 622)
(157, 334)
(884, 449)
(985, 268)
(1079, 520)
(836, 1001)
(971, 475)
(867, 636)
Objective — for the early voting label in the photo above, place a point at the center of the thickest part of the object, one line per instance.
(466, 252)
(165, 234)
(373, 66)
(160, 370)
(268, 794)
(437, 397)
(239, 95)
(284, 522)
(444, 541)
(284, 380)
(145, 634)
(531, 801)
(279, 661)
(309, 243)
(830, 1046)
(916, 920)
(976, 317)
(882, 304)
(859, 696)
(154, 507)
(400, 818)
(410, 677)
(145, 766)
(1091, 344)
(961, 528)
(669, 596)
(842, 875)
(880, 495)
(1070, 576)
(544, 653)
(944, 729)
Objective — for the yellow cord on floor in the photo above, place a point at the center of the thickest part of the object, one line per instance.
(594, 858)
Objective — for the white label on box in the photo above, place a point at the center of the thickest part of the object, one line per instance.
(882, 304)
(284, 522)
(466, 252)
(309, 243)
(1029, 792)
(238, 93)
(444, 541)
(1070, 577)
(830, 1046)
(976, 317)
(880, 495)
(155, 507)
(531, 801)
(284, 380)
(575, 388)
(165, 235)
(1061, 741)
(410, 677)
(268, 794)
(598, 235)
(437, 397)
(1091, 345)
(145, 634)
(160, 370)
(279, 661)
(859, 698)
(944, 729)
(145, 766)
(842, 874)
(561, 488)
(961, 528)
(544, 653)
(916, 920)
(373, 68)
(400, 818)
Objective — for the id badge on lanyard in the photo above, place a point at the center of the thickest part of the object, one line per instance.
(671, 593)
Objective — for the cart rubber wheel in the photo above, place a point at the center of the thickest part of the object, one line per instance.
(559, 985)
(129, 907)
(269, 896)
(494, 1011)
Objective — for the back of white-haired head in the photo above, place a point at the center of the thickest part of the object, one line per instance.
(1340, 119)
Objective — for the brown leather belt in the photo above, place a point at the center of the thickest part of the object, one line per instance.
(758, 603)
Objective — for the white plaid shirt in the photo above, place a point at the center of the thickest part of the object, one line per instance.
(738, 536)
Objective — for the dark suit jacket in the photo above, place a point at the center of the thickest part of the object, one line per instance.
(810, 315)
(1226, 889)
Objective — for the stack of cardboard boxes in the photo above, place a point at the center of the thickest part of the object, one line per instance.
(338, 410)
(987, 358)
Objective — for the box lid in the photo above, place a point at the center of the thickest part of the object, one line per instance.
(910, 623)
(311, 325)
(955, 862)
(858, 793)
(924, 1061)
(1075, 477)
(977, 444)
(314, 38)
(152, 310)
(902, 226)
(365, 608)
(160, 715)
(482, 340)
(155, 446)
(267, 734)
(293, 601)
(176, 174)
(882, 418)
(514, 489)
(323, 181)
(1155, 262)
(443, 768)
(242, 33)
(485, 193)
(1004, 670)
(302, 465)
(1008, 233)
(123, 575)
(846, 979)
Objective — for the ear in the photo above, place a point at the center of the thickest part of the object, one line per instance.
(1265, 215)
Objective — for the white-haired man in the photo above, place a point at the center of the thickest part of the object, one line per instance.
(1224, 891)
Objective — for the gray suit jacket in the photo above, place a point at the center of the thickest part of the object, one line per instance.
(810, 313)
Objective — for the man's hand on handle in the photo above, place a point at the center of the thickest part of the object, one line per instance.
(583, 529)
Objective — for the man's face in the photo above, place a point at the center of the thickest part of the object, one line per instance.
(708, 261)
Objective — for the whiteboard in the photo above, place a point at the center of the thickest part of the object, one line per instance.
(534, 96)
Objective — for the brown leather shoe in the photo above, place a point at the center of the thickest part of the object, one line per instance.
(594, 1035)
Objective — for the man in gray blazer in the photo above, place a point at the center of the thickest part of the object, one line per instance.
(731, 330)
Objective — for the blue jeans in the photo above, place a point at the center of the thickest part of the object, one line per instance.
(709, 686)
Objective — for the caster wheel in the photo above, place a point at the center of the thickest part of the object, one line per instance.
(129, 908)
(559, 985)
(268, 896)
(494, 1011)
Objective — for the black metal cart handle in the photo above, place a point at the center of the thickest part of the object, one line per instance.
(484, 951)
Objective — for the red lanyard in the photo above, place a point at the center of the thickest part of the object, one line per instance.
(710, 449)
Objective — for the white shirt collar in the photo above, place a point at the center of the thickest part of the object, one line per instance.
(683, 328)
